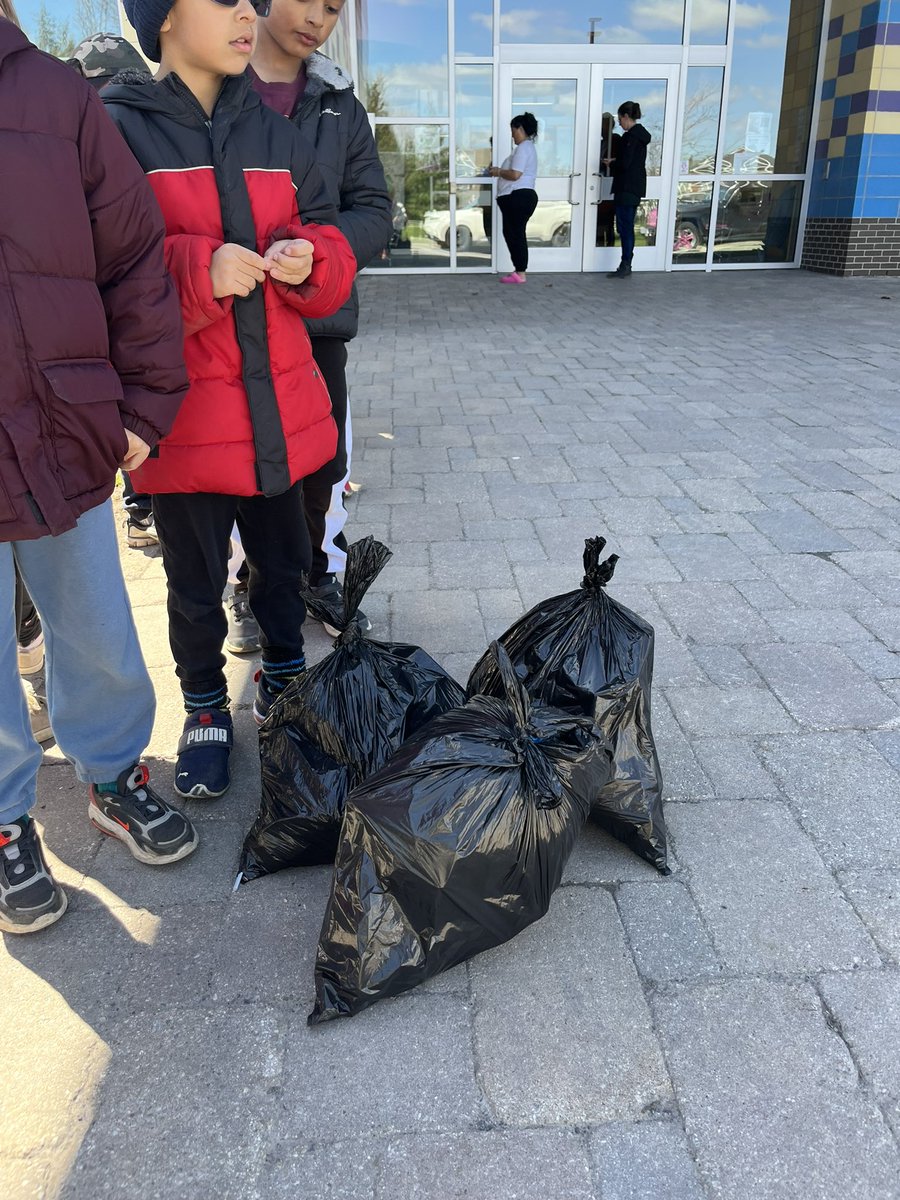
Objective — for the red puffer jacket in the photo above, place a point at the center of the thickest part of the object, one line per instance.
(257, 417)
(90, 336)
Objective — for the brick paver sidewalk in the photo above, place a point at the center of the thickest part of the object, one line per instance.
(732, 1031)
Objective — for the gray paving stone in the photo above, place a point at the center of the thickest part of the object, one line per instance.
(645, 1161)
(725, 666)
(884, 623)
(419, 1050)
(708, 558)
(713, 613)
(734, 768)
(798, 532)
(816, 625)
(664, 931)
(770, 1097)
(149, 1100)
(866, 1006)
(822, 688)
(598, 857)
(722, 495)
(502, 1165)
(876, 897)
(729, 711)
(848, 797)
(531, 1011)
(872, 562)
(814, 582)
(344, 1170)
(763, 891)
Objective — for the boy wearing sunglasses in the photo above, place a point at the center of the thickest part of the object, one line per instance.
(294, 78)
(241, 196)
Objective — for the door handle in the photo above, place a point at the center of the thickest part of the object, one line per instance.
(575, 175)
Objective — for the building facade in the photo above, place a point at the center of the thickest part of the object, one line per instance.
(776, 128)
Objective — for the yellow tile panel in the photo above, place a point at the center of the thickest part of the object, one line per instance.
(837, 147)
(882, 122)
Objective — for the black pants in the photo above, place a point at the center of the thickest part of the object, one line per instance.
(28, 623)
(330, 354)
(137, 504)
(195, 532)
(516, 209)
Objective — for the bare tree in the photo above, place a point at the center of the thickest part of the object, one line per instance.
(701, 116)
(96, 16)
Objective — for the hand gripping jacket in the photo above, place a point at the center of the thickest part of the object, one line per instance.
(257, 417)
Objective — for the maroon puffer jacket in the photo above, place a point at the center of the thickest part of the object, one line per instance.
(90, 326)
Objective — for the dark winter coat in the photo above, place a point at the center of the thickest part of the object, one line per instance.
(329, 115)
(257, 417)
(629, 171)
(90, 335)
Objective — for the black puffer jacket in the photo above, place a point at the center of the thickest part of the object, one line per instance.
(630, 165)
(329, 115)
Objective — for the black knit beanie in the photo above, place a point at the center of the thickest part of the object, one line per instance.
(147, 17)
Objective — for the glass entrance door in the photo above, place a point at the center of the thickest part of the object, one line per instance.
(572, 227)
(560, 99)
(656, 90)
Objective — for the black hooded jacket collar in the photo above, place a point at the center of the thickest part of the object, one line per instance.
(170, 95)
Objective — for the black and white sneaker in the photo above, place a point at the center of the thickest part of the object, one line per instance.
(325, 603)
(140, 532)
(243, 630)
(30, 898)
(265, 698)
(153, 831)
(201, 769)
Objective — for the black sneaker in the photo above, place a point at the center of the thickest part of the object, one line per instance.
(30, 898)
(243, 630)
(265, 696)
(153, 831)
(201, 769)
(325, 603)
(140, 532)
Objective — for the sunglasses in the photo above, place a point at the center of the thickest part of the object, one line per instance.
(260, 7)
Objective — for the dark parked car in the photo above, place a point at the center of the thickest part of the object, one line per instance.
(743, 214)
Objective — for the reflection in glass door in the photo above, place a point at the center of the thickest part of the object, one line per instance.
(559, 99)
(656, 90)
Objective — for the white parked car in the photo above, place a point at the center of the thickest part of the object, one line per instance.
(549, 225)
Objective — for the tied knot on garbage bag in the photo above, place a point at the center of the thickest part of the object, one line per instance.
(597, 574)
(586, 653)
(333, 726)
(456, 845)
(525, 741)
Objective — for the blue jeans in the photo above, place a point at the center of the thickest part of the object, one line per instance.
(99, 694)
(625, 214)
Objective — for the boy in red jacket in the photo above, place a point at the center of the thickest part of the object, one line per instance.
(240, 194)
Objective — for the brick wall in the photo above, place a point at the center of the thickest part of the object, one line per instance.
(848, 246)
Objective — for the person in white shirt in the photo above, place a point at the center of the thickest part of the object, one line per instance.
(516, 197)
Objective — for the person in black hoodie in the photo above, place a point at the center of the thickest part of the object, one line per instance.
(629, 172)
(294, 78)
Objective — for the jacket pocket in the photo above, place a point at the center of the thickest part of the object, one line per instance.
(89, 438)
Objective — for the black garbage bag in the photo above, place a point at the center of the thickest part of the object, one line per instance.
(586, 653)
(333, 726)
(456, 845)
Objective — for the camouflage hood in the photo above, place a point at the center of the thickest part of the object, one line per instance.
(104, 55)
